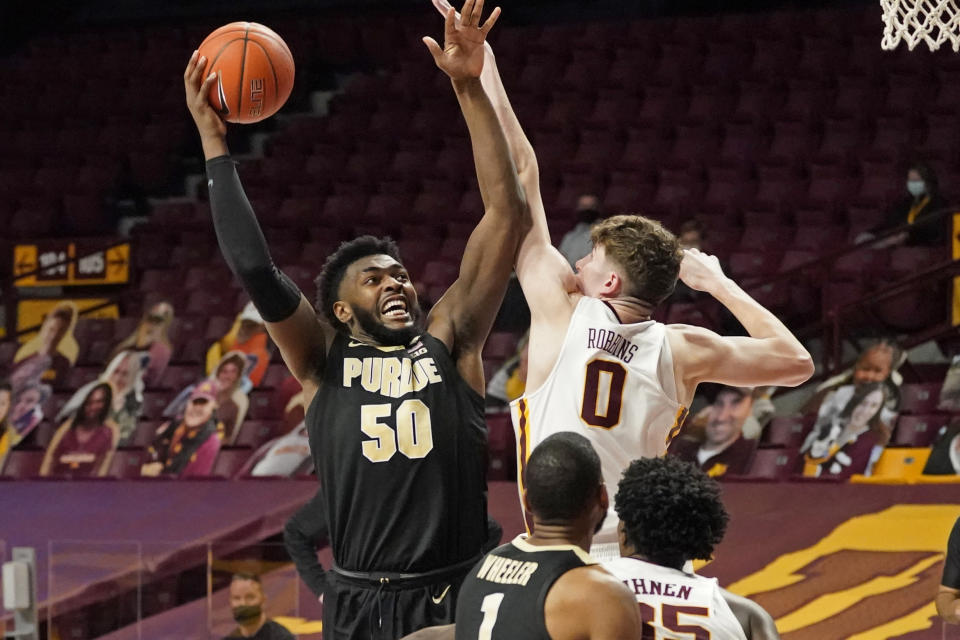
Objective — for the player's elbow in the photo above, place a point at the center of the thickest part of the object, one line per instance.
(518, 210)
(797, 368)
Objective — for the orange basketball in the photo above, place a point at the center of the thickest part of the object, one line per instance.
(254, 70)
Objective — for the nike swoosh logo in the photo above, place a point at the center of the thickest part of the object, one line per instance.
(354, 343)
(442, 596)
(224, 107)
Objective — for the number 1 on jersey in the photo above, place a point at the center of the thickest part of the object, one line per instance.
(490, 608)
(603, 393)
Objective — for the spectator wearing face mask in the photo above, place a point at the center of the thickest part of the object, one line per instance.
(246, 602)
(576, 243)
(917, 207)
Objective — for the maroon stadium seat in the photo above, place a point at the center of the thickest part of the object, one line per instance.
(254, 433)
(144, 434)
(786, 431)
(229, 461)
(23, 464)
(261, 407)
(154, 403)
(126, 463)
(500, 345)
(919, 398)
(773, 464)
(918, 430)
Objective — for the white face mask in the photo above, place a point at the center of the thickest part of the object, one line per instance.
(916, 188)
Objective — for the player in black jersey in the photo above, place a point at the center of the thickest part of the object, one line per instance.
(547, 586)
(395, 401)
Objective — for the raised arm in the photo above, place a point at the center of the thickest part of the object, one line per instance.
(771, 355)
(756, 622)
(463, 316)
(544, 274)
(290, 318)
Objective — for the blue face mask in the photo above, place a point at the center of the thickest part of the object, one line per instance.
(916, 188)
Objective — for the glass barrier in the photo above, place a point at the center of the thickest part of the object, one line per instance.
(158, 591)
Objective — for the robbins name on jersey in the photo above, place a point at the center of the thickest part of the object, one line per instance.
(611, 342)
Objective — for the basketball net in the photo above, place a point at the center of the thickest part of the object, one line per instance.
(914, 21)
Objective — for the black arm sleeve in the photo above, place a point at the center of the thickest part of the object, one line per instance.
(305, 531)
(243, 245)
(951, 564)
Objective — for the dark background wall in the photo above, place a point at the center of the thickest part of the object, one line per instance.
(20, 20)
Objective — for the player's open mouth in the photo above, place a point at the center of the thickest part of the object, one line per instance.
(395, 308)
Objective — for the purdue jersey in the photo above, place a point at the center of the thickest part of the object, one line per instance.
(674, 604)
(614, 384)
(399, 442)
(502, 597)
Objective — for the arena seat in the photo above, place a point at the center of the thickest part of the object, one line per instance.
(254, 433)
(918, 430)
(920, 398)
(903, 464)
(229, 461)
(786, 431)
(126, 464)
(22, 463)
(773, 464)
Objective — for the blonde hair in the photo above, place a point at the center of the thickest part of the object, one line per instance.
(648, 254)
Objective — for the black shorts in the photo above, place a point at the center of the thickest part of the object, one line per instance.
(388, 608)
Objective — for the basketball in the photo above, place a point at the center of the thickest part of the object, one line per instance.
(254, 70)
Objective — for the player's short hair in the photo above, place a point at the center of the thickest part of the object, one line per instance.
(243, 575)
(561, 476)
(671, 510)
(335, 266)
(649, 254)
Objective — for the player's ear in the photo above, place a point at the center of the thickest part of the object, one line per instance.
(342, 311)
(604, 498)
(621, 536)
(613, 286)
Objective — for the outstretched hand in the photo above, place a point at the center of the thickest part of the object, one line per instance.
(700, 271)
(197, 88)
(463, 39)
